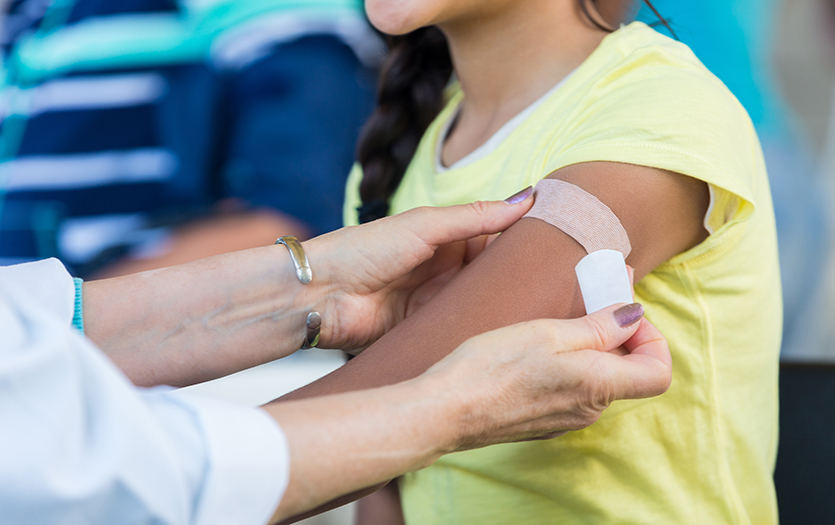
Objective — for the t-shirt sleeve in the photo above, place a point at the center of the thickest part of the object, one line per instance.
(668, 112)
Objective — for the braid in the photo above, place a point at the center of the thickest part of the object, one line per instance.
(410, 96)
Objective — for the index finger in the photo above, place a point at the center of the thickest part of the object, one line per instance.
(439, 226)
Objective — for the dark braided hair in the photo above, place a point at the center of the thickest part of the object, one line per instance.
(409, 97)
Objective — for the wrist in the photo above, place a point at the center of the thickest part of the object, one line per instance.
(460, 407)
(200, 320)
(304, 274)
(386, 432)
(317, 295)
(432, 401)
(293, 299)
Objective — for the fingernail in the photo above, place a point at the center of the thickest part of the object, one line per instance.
(516, 198)
(629, 314)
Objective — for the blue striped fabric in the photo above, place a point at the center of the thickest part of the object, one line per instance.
(99, 161)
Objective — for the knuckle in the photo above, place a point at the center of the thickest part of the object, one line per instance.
(479, 208)
(419, 213)
(598, 332)
(599, 391)
(586, 418)
(583, 414)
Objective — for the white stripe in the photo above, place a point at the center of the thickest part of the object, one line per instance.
(82, 238)
(65, 172)
(85, 93)
(240, 47)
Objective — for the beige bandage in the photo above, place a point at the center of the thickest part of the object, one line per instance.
(602, 273)
(580, 215)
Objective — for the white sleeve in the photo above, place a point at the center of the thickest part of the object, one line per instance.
(80, 444)
(47, 284)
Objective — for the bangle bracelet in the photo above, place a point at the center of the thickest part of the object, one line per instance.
(313, 321)
(303, 271)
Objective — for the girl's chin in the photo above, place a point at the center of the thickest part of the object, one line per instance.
(397, 18)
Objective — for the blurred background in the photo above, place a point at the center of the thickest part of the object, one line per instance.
(804, 64)
(143, 133)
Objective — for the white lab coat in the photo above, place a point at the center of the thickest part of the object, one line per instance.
(79, 443)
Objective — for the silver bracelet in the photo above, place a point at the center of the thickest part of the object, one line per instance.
(313, 321)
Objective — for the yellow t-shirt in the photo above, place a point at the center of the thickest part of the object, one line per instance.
(703, 453)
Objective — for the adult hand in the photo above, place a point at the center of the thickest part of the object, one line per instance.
(372, 276)
(533, 380)
(202, 320)
(541, 379)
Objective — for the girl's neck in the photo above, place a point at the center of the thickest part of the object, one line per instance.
(506, 60)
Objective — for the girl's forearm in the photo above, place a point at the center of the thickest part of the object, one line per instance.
(201, 320)
(467, 307)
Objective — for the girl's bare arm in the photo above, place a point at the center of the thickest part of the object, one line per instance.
(528, 273)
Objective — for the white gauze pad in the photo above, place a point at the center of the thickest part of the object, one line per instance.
(602, 274)
(603, 280)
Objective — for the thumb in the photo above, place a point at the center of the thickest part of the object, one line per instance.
(439, 226)
(612, 326)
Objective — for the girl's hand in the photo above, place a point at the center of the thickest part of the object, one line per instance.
(370, 277)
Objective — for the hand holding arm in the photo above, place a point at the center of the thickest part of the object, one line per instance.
(527, 381)
(528, 273)
(380, 272)
(215, 316)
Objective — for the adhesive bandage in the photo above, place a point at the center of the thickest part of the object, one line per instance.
(602, 273)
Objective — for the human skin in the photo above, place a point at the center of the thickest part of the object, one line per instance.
(559, 375)
(157, 326)
(202, 320)
(506, 55)
(530, 268)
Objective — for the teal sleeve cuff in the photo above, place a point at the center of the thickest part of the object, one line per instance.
(78, 313)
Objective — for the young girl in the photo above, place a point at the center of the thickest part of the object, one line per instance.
(543, 89)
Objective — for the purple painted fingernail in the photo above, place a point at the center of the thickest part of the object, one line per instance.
(516, 198)
(629, 314)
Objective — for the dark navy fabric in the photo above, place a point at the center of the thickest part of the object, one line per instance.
(276, 123)
(89, 8)
(90, 131)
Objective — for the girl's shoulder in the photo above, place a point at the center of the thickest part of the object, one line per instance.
(636, 57)
(643, 98)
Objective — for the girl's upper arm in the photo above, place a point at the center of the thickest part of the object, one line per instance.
(528, 273)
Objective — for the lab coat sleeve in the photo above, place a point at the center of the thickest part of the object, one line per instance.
(47, 284)
(79, 443)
